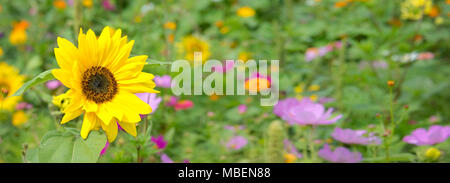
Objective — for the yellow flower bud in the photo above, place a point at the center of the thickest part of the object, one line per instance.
(433, 153)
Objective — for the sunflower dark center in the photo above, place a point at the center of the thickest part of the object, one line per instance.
(99, 84)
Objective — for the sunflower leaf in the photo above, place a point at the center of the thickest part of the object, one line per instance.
(42, 77)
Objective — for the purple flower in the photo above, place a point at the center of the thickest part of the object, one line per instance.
(236, 143)
(350, 136)
(150, 99)
(163, 81)
(104, 149)
(53, 84)
(23, 105)
(234, 128)
(339, 155)
(435, 134)
(281, 108)
(2, 35)
(325, 100)
(290, 148)
(304, 112)
(165, 159)
(108, 5)
(242, 108)
(380, 64)
(160, 142)
(325, 49)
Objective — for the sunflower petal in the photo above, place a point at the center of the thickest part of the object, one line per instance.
(129, 128)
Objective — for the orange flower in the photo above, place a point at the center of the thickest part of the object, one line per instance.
(391, 83)
(434, 12)
(170, 25)
(59, 4)
(340, 4)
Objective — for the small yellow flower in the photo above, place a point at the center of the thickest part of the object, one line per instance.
(10, 82)
(439, 21)
(1, 51)
(244, 56)
(19, 118)
(299, 88)
(138, 19)
(314, 88)
(260, 83)
(415, 9)
(432, 153)
(59, 4)
(87, 3)
(170, 25)
(190, 45)
(224, 30)
(245, 12)
(289, 158)
(18, 35)
(313, 97)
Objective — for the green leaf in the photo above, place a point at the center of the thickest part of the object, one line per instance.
(32, 155)
(88, 151)
(42, 77)
(402, 157)
(56, 147)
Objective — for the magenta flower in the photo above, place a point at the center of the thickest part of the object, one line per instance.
(242, 108)
(172, 101)
(23, 105)
(311, 54)
(160, 142)
(435, 134)
(150, 99)
(304, 112)
(322, 51)
(229, 65)
(183, 104)
(350, 136)
(339, 155)
(104, 149)
(108, 5)
(236, 143)
(53, 84)
(163, 81)
(290, 148)
(165, 159)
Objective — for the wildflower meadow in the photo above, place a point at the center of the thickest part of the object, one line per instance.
(224, 81)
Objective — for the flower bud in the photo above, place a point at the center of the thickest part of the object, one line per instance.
(432, 153)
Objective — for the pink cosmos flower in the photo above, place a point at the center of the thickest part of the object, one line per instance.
(165, 159)
(53, 84)
(229, 65)
(23, 105)
(425, 56)
(304, 112)
(350, 136)
(108, 5)
(236, 143)
(339, 155)
(311, 54)
(242, 108)
(159, 142)
(435, 134)
(172, 101)
(183, 104)
(234, 128)
(290, 148)
(150, 99)
(163, 81)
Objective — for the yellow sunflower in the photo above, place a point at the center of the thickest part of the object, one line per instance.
(10, 82)
(102, 81)
(192, 44)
